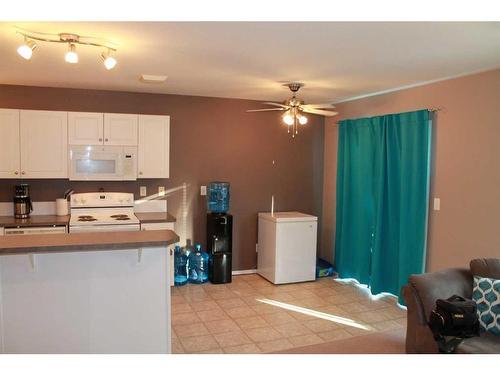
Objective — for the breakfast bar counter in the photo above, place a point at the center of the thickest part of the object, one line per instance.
(99, 292)
(100, 241)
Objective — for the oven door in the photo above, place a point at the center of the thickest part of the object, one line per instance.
(95, 163)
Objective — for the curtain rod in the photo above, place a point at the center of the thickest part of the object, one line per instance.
(437, 109)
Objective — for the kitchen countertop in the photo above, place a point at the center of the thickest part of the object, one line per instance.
(95, 241)
(47, 220)
(155, 217)
(34, 221)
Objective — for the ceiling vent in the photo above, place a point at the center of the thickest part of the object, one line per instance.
(149, 78)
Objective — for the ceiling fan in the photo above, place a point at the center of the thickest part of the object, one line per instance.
(294, 109)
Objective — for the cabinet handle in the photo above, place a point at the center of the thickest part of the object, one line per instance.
(105, 139)
(23, 172)
(16, 172)
(100, 139)
(140, 173)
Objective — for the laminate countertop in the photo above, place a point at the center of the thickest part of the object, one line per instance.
(155, 217)
(94, 241)
(34, 221)
(49, 220)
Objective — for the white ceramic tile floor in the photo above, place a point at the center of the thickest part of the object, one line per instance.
(251, 315)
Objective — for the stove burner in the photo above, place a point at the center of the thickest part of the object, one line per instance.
(123, 218)
(85, 217)
(89, 218)
(118, 216)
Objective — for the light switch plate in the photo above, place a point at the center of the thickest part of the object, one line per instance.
(437, 204)
(161, 191)
(143, 191)
(203, 190)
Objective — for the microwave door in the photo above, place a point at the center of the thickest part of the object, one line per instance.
(90, 164)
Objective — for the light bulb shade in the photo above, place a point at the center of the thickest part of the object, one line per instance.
(26, 50)
(71, 56)
(109, 61)
(302, 119)
(288, 118)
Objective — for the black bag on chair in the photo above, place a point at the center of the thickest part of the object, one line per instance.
(456, 318)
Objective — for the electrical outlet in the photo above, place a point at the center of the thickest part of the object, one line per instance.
(203, 190)
(161, 191)
(437, 204)
(143, 191)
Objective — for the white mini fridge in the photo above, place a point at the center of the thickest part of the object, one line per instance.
(287, 247)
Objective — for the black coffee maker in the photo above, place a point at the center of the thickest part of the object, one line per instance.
(22, 202)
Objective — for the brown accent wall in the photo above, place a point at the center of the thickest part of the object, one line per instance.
(211, 139)
(466, 165)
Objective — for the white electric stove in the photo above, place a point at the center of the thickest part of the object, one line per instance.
(102, 212)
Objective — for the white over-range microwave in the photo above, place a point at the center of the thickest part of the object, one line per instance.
(106, 163)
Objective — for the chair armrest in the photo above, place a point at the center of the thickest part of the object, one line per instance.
(441, 284)
(420, 296)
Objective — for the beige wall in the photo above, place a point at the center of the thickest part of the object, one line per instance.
(466, 165)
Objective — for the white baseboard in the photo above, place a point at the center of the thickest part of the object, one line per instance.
(244, 272)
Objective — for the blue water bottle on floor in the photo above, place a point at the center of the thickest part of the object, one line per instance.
(180, 266)
(198, 266)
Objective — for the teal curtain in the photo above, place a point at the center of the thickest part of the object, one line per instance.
(382, 199)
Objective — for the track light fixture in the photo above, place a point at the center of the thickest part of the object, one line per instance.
(71, 57)
(25, 50)
(108, 60)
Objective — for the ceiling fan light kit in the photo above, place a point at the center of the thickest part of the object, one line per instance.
(71, 56)
(294, 108)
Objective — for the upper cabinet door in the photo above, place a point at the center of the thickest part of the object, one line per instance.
(85, 128)
(120, 129)
(44, 144)
(154, 146)
(10, 161)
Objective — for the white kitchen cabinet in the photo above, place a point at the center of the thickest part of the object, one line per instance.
(154, 146)
(85, 128)
(44, 144)
(163, 226)
(10, 157)
(120, 129)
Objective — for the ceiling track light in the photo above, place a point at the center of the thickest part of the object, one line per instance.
(26, 49)
(29, 45)
(108, 60)
(71, 56)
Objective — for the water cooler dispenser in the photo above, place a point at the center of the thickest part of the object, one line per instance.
(219, 233)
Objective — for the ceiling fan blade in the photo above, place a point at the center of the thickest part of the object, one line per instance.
(326, 105)
(319, 112)
(277, 105)
(266, 109)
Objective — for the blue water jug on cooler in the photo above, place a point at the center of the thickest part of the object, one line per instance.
(180, 266)
(218, 197)
(198, 266)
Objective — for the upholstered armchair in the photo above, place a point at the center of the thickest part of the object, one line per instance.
(421, 293)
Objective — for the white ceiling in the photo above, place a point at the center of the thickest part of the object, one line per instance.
(336, 60)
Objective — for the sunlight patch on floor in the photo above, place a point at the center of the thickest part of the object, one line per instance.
(316, 314)
(367, 290)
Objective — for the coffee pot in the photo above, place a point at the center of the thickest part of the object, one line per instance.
(22, 202)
